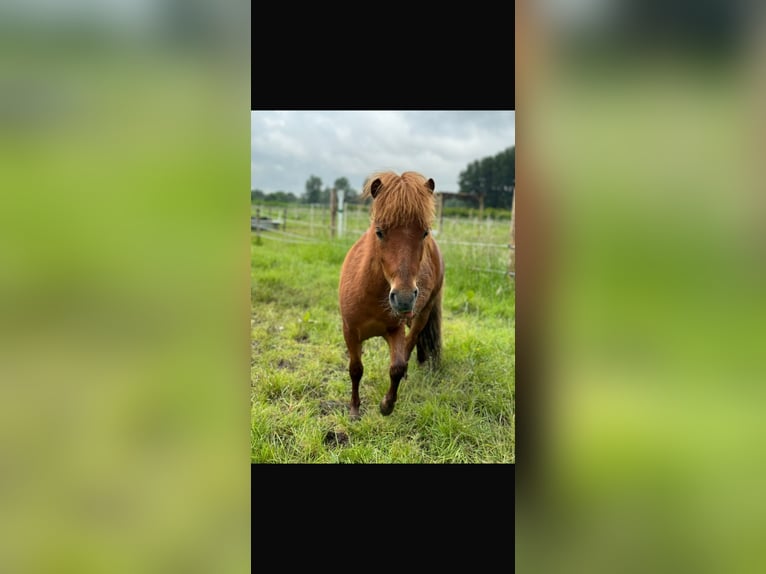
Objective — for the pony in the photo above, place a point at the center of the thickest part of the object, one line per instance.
(392, 278)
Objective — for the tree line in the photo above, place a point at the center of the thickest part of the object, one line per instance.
(314, 193)
(492, 176)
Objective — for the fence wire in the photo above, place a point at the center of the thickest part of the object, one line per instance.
(481, 245)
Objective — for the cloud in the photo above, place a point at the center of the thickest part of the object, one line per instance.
(288, 147)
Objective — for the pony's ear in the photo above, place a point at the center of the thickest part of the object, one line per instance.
(375, 187)
(430, 184)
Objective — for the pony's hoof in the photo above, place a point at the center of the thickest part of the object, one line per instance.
(354, 414)
(386, 407)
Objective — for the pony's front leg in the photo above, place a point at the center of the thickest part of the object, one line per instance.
(355, 371)
(397, 346)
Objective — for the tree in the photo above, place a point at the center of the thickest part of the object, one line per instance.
(281, 197)
(256, 195)
(493, 176)
(468, 180)
(313, 189)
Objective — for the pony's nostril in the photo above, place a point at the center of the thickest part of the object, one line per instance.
(392, 297)
(415, 293)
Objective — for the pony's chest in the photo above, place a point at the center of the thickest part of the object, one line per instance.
(378, 327)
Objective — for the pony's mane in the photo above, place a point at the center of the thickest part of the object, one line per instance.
(401, 200)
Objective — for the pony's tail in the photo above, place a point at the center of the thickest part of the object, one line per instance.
(429, 343)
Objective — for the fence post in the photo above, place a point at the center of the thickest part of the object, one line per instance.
(258, 222)
(333, 211)
(284, 220)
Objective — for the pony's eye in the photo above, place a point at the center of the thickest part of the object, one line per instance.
(425, 234)
(379, 233)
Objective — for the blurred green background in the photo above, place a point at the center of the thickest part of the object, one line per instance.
(124, 286)
(640, 136)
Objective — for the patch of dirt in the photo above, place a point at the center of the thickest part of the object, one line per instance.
(285, 364)
(336, 438)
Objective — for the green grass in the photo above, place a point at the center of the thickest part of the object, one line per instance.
(463, 412)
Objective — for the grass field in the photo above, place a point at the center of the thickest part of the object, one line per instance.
(462, 412)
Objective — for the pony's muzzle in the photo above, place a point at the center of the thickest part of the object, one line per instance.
(403, 301)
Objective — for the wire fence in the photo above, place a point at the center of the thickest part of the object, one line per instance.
(482, 244)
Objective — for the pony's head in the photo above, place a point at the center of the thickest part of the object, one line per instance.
(401, 216)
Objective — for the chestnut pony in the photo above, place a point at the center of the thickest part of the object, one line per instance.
(392, 277)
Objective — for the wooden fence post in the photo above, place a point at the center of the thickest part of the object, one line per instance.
(333, 211)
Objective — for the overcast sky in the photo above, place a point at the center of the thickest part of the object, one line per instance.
(288, 147)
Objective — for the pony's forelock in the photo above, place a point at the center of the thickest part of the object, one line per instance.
(401, 200)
